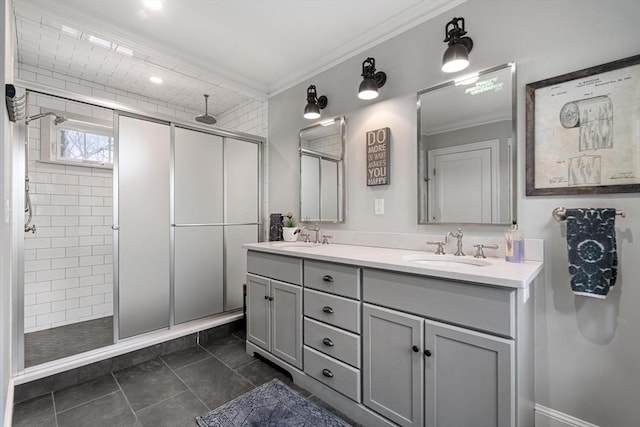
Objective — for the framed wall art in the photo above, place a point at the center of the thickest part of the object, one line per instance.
(583, 131)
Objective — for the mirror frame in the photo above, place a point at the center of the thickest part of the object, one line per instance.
(513, 151)
(341, 170)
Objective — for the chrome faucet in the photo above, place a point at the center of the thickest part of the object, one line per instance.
(316, 230)
(458, 235)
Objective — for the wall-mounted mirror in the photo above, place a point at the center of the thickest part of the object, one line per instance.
(322, 171)
(467, 150)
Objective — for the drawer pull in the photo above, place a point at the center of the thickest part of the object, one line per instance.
(327, 373)
(327, 278)
(415, 348)
(427, 353)
(327, 342)
(327, 309)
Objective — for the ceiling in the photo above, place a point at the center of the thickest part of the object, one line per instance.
(235, 50)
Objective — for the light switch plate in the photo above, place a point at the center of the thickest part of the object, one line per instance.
(379, 207)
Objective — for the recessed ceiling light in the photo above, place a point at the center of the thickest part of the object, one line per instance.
(156, 80)
(152, 4)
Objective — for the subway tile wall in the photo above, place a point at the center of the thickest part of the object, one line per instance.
(69, 261)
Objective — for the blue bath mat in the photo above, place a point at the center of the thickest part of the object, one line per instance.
(272, 404)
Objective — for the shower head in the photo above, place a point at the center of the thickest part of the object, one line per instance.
(58, 119)
(206, 118)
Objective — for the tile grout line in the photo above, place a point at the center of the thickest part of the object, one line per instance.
(88, 401)
(185, 384)
(235, 371)
(55, 413)
(125, 398)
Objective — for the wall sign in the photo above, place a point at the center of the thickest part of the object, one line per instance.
(378, 157)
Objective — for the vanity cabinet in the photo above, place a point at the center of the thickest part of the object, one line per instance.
(389, 346)
(420, 371)
(274, 307)
(414, 366)
(332, 326)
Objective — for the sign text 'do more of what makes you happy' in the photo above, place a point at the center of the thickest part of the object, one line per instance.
(378, 157)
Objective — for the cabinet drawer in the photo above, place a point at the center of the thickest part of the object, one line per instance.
(335, 374)
(337, 311)
(478, 307)
(334, 278)
(283, 268)
(339, 344)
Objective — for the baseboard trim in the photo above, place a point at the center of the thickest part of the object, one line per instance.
(560, 419)
(8, 405)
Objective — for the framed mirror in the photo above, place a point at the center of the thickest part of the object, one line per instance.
(467, 150)
(322, 171)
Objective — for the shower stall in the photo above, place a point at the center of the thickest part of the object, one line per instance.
(136, 239)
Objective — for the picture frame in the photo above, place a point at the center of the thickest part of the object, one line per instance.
(583, 131)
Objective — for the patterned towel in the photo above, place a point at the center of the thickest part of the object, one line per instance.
(591, 244)
(275, 227)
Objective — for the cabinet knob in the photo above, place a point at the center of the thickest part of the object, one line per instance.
(327, 278)
(266, 297)
(415, 348)
(327, 373)
(327, 342)
(327, 309)
(270, 298)
(427, 353)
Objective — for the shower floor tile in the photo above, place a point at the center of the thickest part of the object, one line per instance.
(56, 343)
(168, 391)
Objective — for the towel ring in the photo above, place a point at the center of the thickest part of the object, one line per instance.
(560, 213)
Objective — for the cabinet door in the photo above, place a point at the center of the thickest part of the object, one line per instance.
(286, 323)
(469, 378)
(392, 364)
(258, 311)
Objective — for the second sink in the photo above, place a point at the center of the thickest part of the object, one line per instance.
(446, 261)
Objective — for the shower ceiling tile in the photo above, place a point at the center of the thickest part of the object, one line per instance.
(195, 58)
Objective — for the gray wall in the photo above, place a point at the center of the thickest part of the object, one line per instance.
(587, 351)
(5, 180)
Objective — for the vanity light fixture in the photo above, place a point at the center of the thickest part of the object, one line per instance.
(372, 80)
(456, 57)
(314, 104)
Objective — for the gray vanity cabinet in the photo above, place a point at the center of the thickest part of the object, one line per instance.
(274, 307)
(418, 371)
(469, 377)
(392, 372)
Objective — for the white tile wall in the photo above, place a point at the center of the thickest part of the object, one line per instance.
(68, 263)
(67, 253)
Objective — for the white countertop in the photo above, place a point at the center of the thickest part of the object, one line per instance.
(498, 272)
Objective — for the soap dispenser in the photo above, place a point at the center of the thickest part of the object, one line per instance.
(514, 244)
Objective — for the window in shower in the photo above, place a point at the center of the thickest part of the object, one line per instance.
(77, 140)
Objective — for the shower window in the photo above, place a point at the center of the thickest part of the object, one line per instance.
(85, 146)
(78, 140)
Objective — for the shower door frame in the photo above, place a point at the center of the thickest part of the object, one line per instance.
(18, 153)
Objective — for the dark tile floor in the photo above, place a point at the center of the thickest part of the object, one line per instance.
(56, 343)
(169, 390)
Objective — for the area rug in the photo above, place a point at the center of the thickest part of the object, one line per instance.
(271, 404)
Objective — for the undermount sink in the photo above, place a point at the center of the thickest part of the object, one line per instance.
(294, 244)
(446, 260)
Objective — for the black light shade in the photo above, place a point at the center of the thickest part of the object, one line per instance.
(456, 57)
(372, 80)
(314, 104)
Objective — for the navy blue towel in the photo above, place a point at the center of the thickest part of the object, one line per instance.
(591, 243)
